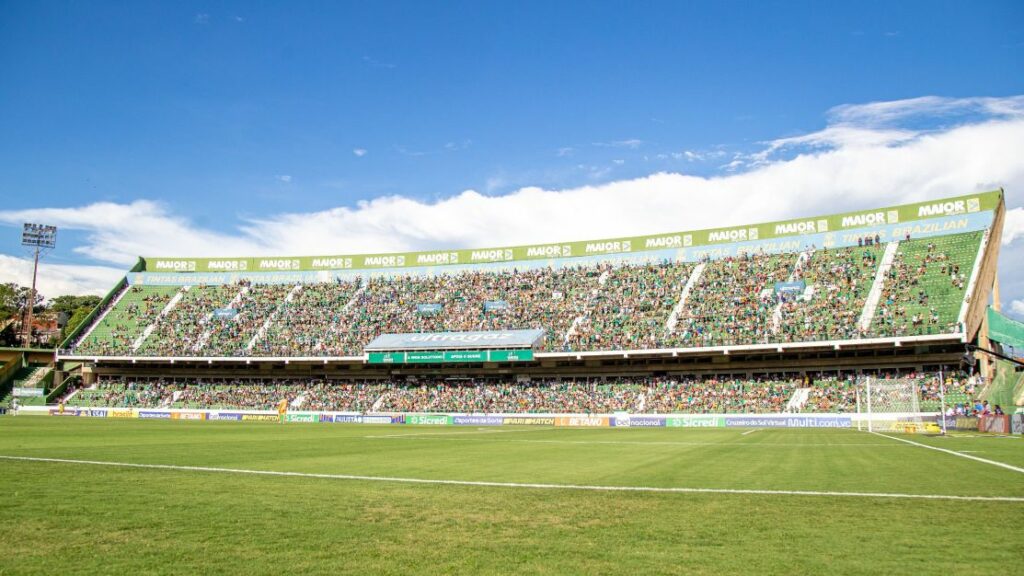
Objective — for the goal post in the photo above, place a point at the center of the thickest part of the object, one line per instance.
(893, 405)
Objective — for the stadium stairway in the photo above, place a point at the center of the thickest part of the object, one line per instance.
(801, 261)
(334, 330)
(273, 317)
(167, 309)
(875, 294)
(99, 319)
(798, 400)
(589, 306)
(208, 320)
(673, 318)
(377, 403)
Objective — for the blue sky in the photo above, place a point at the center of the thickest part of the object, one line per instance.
(231, 123)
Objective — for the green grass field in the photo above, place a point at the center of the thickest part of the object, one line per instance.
(90, 518)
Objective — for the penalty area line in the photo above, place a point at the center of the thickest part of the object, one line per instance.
(534, 486)
(1017, 469)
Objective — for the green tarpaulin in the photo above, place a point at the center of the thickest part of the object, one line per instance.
(1004, 330)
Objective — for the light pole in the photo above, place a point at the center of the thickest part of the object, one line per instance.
(39, 237)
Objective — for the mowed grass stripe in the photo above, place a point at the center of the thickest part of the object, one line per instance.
(822, 461)
(534, 486)
(127, 521)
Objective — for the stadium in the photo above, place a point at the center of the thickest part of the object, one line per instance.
(644, 397)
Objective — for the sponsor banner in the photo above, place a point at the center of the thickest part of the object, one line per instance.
(235, 416)
(67, 412)
(451, 340)
(582, 421)
(327, 418)
(28, 392)
(188, 416)
(429, 309)
(527, 421)
(225, 313)
(966, 423)
(790, 288)
(493, 305)
(994, 424)
(789, 422)
(477, 420)
(260, 418)
(893, 220)
(351, 419)
(627, 421)
(394, 419)
(155, 414)
(695, 421)
(121, 413)
(1017, 423)
(449, 356)
(429, 419)
(306, 417)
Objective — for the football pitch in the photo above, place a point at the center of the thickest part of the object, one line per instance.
(81, 495)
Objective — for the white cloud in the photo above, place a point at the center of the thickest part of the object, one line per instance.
(359, 152)
(1017, 307)
(1013, 227)
(60, 279)
(120, 233)
(868, 161)
(285, 178)
(373, 62)
(202, 18)
(631, 144)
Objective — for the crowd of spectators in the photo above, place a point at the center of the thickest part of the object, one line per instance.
(839, 394)
(719, 395)
(733, 302)
(180, 331)
(736, 300)
(116, 333)
(309, 324)
(632, 307)
(838, 282)
(925, 286)
(230, 336)
(546, 298)
(634, 394)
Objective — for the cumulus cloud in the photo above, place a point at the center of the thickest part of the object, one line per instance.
(864, 157)
(1013, 227)
(59, 279)
(359, 152)
(1017, 307)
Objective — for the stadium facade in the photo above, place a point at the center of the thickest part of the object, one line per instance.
(899, 288)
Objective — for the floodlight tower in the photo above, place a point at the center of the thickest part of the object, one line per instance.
(40, 237)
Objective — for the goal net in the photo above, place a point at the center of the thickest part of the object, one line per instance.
(892, 405)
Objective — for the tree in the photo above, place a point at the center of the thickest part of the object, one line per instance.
(8, 300)
(70, 304)
(76, 319)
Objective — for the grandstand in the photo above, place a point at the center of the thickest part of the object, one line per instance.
(766, 318)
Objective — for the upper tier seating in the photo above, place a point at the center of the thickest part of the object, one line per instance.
(733, 301)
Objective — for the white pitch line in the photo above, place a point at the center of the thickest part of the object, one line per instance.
(537, 486)
(954, 453)
(443, 436)
(750, 431)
